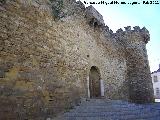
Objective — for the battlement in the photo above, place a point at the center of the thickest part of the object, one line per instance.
(96, 19)
(135, 29)
(93, 14)
(143, 32)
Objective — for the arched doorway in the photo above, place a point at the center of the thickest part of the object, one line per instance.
(94, 82)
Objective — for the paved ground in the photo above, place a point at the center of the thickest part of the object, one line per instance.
(101, 109)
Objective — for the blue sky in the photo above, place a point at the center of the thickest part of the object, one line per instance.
(120, 16)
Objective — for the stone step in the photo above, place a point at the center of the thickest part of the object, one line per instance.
(113, 106)
(99, 101)
(153, 106)
(109, 103)
(108, 108)
(107, 118)
(98, 109)
(106, 114)
(114, 117)
(115, 111)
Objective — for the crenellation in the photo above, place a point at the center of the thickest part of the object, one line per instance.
(145, 34)
(144, 30)
(136, 28)
(106, 28)
(92, 13)
(110, 31)
(128, 28)
(114, 36)
(141, 32)
(119, 30)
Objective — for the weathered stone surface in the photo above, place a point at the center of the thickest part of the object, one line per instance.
(102, 109)
(93, 13)
(45, 62)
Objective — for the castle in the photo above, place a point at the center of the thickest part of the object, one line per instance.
(55, 52)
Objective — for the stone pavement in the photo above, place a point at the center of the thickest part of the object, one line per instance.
(101, 109)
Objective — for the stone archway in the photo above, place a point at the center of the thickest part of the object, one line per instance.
(94, 82)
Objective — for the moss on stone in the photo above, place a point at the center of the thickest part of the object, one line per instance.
(57, 6)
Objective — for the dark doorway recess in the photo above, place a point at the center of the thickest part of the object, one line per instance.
(94, 82)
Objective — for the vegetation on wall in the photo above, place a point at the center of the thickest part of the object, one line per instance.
(2, 1)
(57, 6)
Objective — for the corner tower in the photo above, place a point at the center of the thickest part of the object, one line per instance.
(140, 89)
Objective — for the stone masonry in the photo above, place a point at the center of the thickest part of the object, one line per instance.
(47, 48)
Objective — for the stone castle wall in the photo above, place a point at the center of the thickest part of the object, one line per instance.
(46, 53)
(138, 77)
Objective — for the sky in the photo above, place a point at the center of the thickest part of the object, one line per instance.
(121, 15)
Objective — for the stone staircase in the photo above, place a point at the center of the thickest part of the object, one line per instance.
(101, 109)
